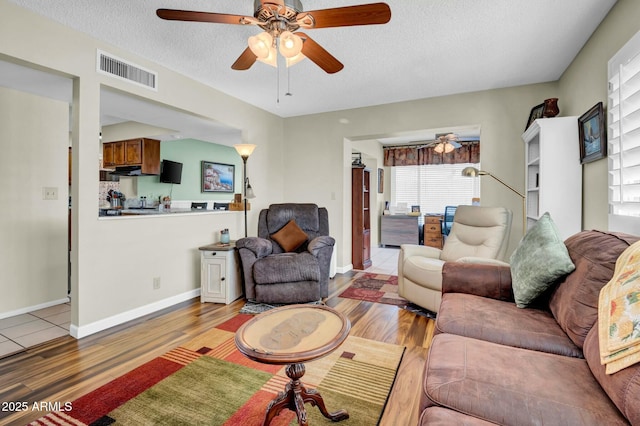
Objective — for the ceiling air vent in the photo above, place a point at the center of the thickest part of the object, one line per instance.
(119, 68)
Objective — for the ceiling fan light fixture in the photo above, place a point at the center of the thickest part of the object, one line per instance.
(261, 45)
(272, 57)
(290, 44)
(294, 60)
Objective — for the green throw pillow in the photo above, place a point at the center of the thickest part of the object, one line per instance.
(540, 259)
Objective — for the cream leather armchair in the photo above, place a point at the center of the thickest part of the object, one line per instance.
(478, 235)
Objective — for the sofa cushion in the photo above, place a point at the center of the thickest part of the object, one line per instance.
(539, 260)
(439, 416)
(503, 323)
(296, 292)
(513, 386)
(290, 236)
(574, 302)
(622, 387)
(286, 267)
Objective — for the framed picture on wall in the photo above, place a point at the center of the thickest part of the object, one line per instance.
(593, 134)
(217, 177)
(380, 181)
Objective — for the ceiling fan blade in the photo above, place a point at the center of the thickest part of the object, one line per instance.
(319, 55)
(364, 14)
(216, 18)
(245, 60)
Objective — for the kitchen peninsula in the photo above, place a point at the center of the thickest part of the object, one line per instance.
(109, 214)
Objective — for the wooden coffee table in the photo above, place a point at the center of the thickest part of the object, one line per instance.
(292, 335)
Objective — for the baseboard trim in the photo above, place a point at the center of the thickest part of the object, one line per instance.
(103, 324)
(33, 308)
(344, 269)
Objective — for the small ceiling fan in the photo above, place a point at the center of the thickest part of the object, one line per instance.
(281, 20)
(445, 143)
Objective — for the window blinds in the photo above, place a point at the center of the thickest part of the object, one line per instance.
(624, 138)
(433, 187)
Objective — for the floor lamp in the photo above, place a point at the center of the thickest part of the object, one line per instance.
(473, 172)
(245, 151)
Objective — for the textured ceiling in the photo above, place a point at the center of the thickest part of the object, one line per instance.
(429, 48)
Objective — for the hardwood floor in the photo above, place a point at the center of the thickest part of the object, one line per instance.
(64, 369)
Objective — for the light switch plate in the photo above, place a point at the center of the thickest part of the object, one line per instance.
(49, 193)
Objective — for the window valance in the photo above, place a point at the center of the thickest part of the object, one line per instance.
(469, 152)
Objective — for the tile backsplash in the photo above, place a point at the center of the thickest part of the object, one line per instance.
(105, 187)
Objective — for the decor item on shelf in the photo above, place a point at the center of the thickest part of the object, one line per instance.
(550, 108)
(536, 112)
(224, 236)
(593, 134)
(279, 20)
(357, 160)
(245, 150)
(473, 172)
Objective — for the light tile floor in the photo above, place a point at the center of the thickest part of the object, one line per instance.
(27, 330)
(384, 260)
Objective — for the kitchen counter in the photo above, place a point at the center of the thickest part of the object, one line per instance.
(138, 213)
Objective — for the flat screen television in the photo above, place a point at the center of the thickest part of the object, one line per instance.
(171, 172)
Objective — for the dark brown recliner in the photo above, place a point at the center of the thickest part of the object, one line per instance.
(273, 275)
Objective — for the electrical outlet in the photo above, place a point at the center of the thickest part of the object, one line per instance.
(156, 283)
(49, 193)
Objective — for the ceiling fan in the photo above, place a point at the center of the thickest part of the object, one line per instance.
(281, 20)
(445, 143)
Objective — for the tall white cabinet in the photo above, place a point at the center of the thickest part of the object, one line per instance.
(553, 173)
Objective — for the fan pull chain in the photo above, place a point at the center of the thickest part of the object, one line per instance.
(288, 82)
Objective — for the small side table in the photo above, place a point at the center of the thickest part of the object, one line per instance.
(219, 273)
(291, 335)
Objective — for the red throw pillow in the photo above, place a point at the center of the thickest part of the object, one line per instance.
(290, 236)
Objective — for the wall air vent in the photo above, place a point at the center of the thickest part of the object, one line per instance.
(119, 68)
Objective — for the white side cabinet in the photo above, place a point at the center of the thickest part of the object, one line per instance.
(553, 173)
(219, 274)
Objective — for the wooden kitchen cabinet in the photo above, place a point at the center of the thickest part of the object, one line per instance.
(108, 158)
(141, 152)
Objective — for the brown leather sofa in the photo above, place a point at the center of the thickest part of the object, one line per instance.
(494, 363)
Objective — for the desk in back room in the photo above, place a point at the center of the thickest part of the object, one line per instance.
(400, 229)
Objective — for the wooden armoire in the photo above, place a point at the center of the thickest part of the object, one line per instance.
(360, 218)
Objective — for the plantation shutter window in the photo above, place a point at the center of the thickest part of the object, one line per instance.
(624, 138)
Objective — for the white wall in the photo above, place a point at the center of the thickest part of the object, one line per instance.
(34, 140)
(501, 115)
(113, 260)
(301, 159)
(584, 84)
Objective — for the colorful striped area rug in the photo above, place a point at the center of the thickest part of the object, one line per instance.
(209, 382)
